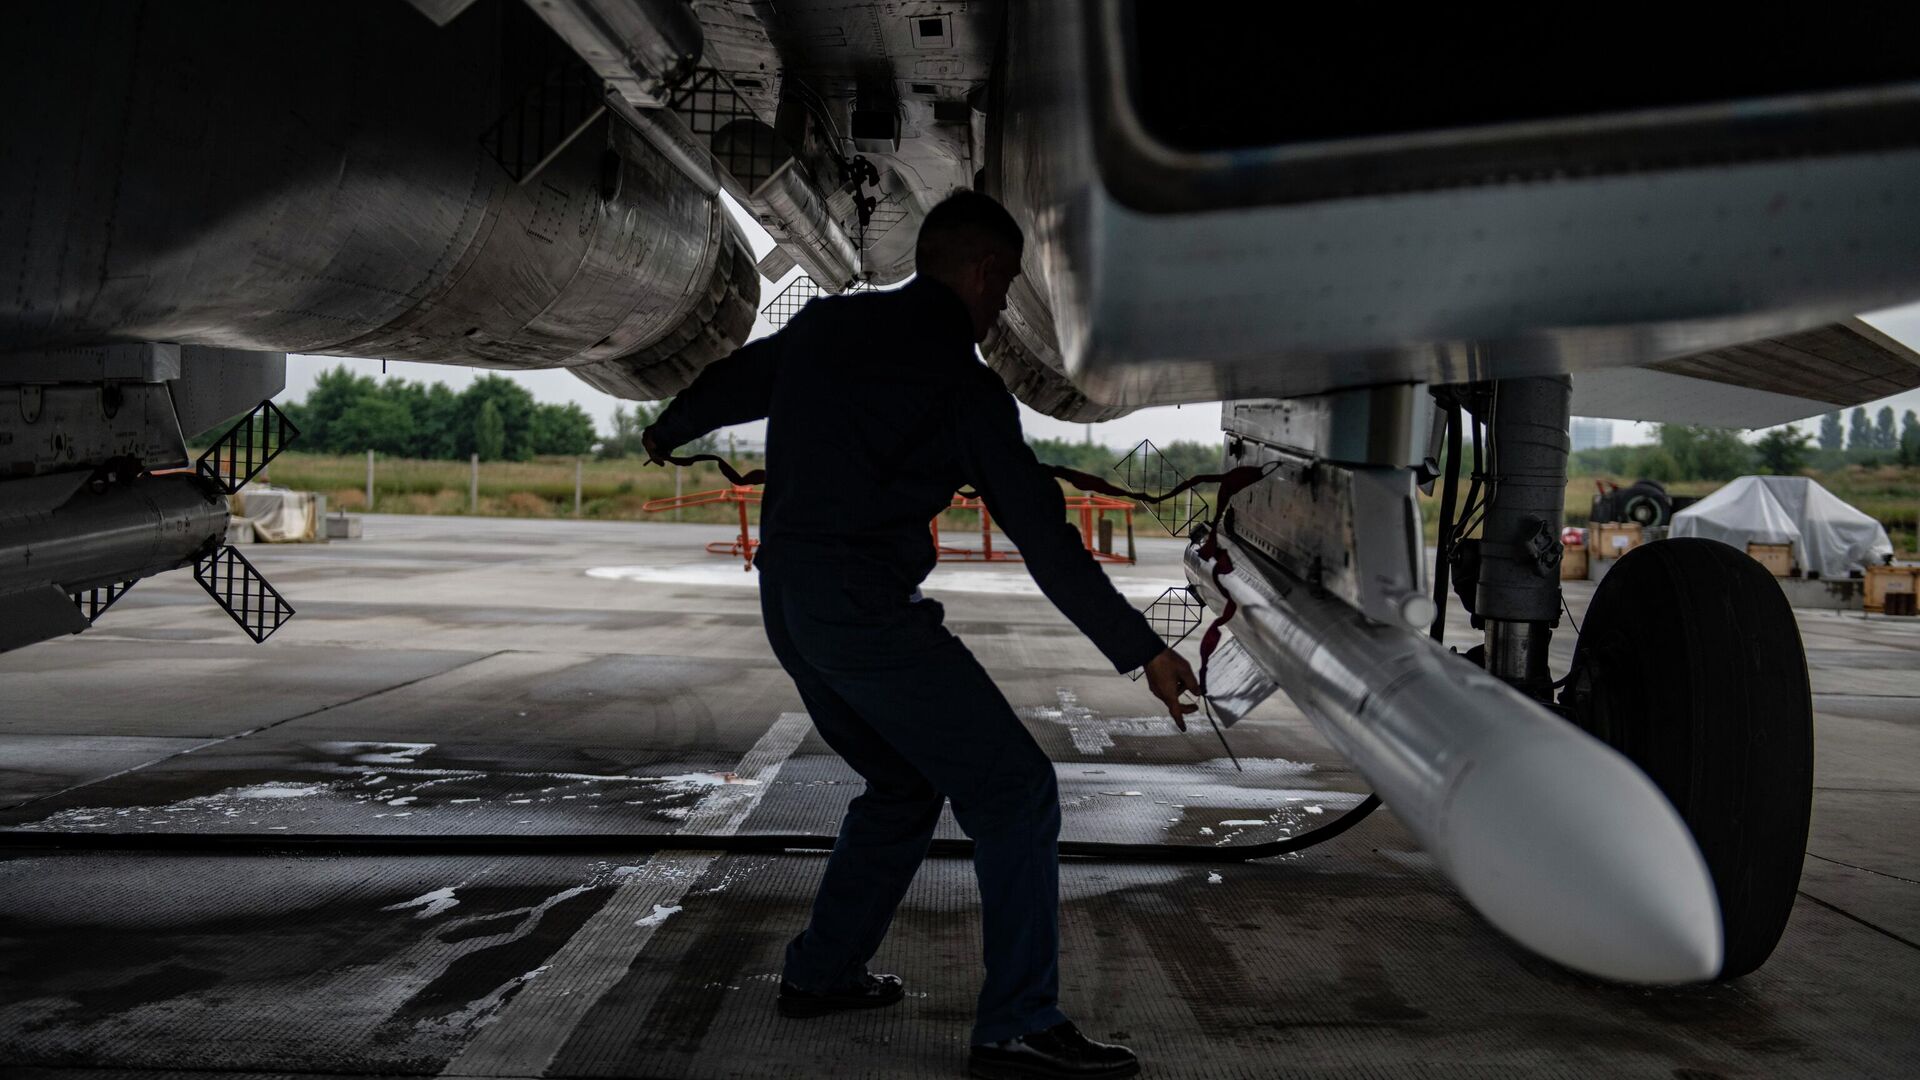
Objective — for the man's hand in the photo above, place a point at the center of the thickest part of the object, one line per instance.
(652, 448)
(1168, 675)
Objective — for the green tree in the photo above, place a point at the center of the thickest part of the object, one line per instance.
(1656, 463)
(1859, 430)
(1602, 461)
(336, 392)
(1910, 439)
(1705, 453)
(489, 432)
(561, 429)
(295, 412)
(1832, 437)
(410, 397)
(437, 429)
(624, 440)
(1884, 437)
(1782, 451)
(514, 404)
(1087, 457)
(373, 423)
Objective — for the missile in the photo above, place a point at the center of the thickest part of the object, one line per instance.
(69, 547)
(1558, 840)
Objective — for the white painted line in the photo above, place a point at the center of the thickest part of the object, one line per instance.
(946, 579)
(525, 1036)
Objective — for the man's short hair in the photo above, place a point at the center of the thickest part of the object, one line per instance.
(963, 229)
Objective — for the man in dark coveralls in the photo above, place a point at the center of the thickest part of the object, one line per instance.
(878, 409)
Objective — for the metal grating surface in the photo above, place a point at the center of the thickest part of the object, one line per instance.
(548, 116)
(781, 309)
(791, 299)
(886, 213)
(1145, 468)
(94, 602)
(1173, 615)
(1365, 965)
(710, 106)
(239, 589)
(238, 456)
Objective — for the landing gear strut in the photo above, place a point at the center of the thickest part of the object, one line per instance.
(1519, 588)
(1689, 663)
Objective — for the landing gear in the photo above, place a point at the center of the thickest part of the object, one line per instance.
(1690, 664)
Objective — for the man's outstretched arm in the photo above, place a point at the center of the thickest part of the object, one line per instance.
(1027, 502)
(733, 390)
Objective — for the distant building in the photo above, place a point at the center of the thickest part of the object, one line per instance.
(1591, 434)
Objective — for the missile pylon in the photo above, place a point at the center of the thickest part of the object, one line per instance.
(1557, 839)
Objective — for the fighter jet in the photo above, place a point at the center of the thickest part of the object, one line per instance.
(1377, 243)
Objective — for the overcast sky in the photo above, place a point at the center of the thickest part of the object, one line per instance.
(1171, 423)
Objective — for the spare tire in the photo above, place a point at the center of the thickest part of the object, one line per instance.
(1645, 503)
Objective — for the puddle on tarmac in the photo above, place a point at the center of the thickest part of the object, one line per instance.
(1091, 732)
(369, 782)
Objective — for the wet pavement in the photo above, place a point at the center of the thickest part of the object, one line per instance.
(460, 677)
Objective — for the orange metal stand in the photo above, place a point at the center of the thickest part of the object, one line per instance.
(1091, 508)
(746, 545)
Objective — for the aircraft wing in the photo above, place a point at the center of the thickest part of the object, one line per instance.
(1756, 383)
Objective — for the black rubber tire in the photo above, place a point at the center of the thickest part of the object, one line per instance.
(1646, 502)
(1690, 663)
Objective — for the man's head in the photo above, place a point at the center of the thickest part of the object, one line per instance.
(970, 244)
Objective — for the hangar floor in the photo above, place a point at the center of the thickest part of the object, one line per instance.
(451, 676)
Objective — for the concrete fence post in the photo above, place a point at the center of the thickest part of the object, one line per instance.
(678, 478)
(576, 487)
(473, 487)
(369, 481)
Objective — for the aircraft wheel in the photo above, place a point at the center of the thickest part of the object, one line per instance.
(1647, 503)
(1690, 663)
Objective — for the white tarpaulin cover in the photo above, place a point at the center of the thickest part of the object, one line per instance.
(278, 515)
(1829, 537)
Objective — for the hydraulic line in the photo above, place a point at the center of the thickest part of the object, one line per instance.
(1449, 490)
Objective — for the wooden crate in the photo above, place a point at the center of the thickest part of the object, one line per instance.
(1573, 564)
(1612, 539)
(1777, 558)
(1882, 580)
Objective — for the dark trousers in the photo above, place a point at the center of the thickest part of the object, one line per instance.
(904, 702)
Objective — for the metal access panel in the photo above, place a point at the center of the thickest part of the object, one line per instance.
(1351, 530)
(46, 429)
(1373, 425)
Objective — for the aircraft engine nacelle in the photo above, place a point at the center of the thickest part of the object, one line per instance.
(350, 180)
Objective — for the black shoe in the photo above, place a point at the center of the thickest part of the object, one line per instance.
(872, 992)
(1059, 1051)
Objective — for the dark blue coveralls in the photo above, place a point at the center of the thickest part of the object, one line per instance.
(878, 410)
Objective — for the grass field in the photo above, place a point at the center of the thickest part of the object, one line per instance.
(616, 490)
(609, 490)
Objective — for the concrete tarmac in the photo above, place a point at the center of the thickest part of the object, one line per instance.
(457, 676)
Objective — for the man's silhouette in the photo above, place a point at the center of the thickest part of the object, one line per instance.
(878, 409)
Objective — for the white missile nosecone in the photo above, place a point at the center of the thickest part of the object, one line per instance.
(1561, 842)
